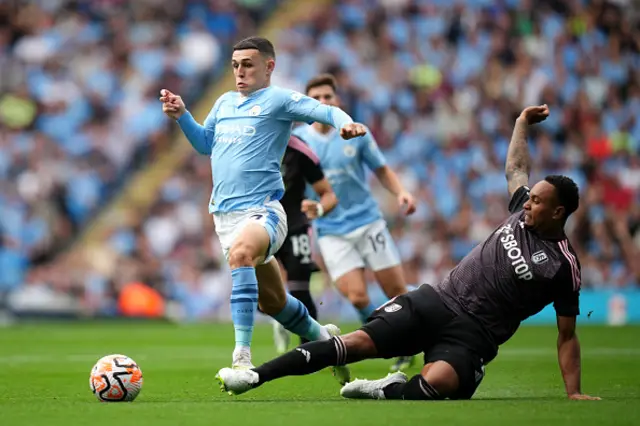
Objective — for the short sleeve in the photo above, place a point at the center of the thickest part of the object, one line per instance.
(566, 301)
(307, 161)
(518, 199)
(371, 154)
(311, 170)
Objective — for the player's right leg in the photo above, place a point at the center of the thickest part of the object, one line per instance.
(305, 359)
(394, 329)
(245, 253)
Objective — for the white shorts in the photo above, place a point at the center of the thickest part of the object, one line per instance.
(271, 216)
(370, 245)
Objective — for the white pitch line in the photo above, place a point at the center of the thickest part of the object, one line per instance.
(214, 353)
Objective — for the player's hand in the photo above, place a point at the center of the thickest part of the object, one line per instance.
(311, 209)
(352, 130)
(583, 397)
(407, 203)
(172, 104)
(535, 114)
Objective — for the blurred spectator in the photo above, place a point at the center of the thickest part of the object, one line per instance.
(79, 82)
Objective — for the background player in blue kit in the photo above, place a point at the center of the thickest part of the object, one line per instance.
(355, 235)
(246, 134)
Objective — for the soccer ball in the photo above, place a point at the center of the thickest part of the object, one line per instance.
(115, 378)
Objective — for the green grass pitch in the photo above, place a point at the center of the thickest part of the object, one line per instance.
(44, 379)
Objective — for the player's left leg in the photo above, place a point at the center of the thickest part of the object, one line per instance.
(452, 372)
(454, 367)
(284, 308)
(295, 267)
(281, 337)
(394, 329)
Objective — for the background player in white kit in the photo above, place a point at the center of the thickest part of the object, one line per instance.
(246, 134)
(354, 235)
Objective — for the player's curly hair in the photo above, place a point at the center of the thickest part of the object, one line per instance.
(322, 80)
(568, 193)
(261, 44)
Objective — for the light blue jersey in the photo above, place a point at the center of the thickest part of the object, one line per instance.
(344, 163)
(246, 138)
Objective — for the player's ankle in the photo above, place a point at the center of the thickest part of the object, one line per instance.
(241, 349)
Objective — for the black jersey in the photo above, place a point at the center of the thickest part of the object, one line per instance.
(299, 167)
(513, 275)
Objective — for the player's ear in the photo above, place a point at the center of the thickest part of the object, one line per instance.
(558, 212)
(271, 65)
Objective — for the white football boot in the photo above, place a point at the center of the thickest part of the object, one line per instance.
(371, 389)
(242, 359)
(236, 381)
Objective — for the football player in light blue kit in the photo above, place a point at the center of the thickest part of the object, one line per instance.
(246, 135)
(354, 234)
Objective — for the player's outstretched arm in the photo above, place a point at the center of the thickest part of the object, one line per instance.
(298, 107)
(389, 179)
(173, 106)
(518, 165)
(328, 200)
(569, 357)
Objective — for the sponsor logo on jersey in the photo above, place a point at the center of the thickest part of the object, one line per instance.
(394, 307)
(539, 257)
(514, 252)
(233, 133)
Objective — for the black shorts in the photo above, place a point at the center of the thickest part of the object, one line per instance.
(420, 322)
(295, 255)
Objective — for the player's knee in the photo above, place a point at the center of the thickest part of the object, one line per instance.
(241, 254)
(442, 377)
(272, 305)
(358, 298)
(359, 346)
(392, 281)
(394, 289)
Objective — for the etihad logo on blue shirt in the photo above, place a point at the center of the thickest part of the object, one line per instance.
(233, 133)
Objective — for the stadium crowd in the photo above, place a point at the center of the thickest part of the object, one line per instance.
(438, 82)
(79, 83)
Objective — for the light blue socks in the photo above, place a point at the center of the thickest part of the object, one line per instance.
(244, 303)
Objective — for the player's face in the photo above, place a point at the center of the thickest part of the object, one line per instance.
(251, 69)
(324, 94)
(541, 210)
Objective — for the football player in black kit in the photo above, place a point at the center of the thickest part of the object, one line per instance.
(300, 166)
(526, 264)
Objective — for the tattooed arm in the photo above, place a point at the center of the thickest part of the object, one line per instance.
(518, 165)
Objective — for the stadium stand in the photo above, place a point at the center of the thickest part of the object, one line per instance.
(438, 82)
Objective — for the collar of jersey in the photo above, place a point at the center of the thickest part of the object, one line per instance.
(240, 100)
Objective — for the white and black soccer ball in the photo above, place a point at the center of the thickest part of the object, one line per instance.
(115, 378)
